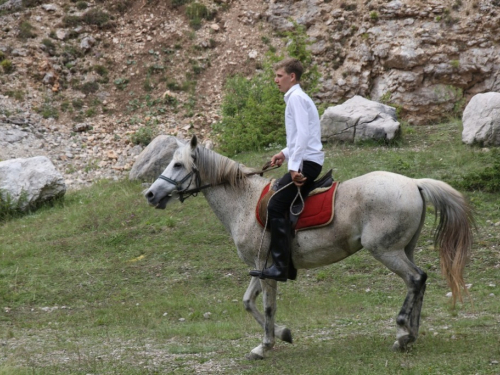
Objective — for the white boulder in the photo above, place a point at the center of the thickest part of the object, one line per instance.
(481, 120)
(359, 119)
(26, 183)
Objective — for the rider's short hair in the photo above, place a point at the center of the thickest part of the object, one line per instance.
(290, 65)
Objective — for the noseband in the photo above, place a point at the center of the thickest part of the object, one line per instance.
(186, 193)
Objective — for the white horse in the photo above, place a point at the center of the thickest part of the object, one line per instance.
(381, 212)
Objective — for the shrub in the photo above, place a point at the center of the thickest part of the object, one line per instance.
(72, 21)
(487, 180)
(7, 66)
(101, 70)
(2, 56)
(196, 12)
(374, 16)
(96, 17)
(121, 83)
(77, 103)
(178, 3)
(253, 109)
(25, 31)
(89, 87)
(50, 45)
(143, 136)
(9, 207)
(82, 5)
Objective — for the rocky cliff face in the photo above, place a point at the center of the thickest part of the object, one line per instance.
(428, 58)
(84, 81)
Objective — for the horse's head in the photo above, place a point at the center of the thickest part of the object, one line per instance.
(179, 176)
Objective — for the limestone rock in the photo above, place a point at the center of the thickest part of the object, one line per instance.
(154, 159)
(30, 182)
(481, 120)
(359, 119)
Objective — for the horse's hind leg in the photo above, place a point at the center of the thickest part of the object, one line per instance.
(408, 320)
(251, 294)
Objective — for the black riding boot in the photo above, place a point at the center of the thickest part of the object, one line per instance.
(280, 251)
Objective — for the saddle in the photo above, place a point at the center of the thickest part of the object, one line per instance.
(318, 209)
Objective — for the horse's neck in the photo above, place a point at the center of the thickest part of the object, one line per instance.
(236, 206)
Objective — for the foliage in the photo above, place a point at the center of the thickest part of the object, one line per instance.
(26, 31)
(89, 87)
(9, 207)
(253, 109)
(144, 135)
(487, 179)
(7, 66)
(196, 12)
(121, 83)
(95, 17)
(103, 284)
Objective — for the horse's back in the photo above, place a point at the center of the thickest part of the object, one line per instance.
(386, 207)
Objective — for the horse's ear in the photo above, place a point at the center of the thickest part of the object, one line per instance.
(194, 142)
(179, 142)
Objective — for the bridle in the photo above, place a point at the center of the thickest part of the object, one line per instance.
(187, 192)
(195, 174)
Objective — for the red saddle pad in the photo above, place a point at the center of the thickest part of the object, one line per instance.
(317, 212)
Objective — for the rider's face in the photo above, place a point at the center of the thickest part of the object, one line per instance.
(284, 80)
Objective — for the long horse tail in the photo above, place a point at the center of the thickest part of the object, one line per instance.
(453, 235)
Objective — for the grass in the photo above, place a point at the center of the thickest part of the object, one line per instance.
(101, 283)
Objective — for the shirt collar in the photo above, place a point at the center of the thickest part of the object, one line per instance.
(291, 89)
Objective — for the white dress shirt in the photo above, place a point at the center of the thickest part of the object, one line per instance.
(303, 130)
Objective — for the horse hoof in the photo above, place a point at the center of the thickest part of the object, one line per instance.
(253, 356)
(396, 347)
(286, 336)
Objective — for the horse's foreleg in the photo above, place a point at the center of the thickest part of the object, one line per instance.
(269, 296)
(408, 320)
(251, 294)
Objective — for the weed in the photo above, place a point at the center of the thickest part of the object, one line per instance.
(374, 15)
(50, 46)
(144, 135)
(72, 21)
(487, 180)
(96, 17)
(121, 83)
(26, 31)
(101, 70)
(455, 64)
(77, 103)
(49, 111)
(89, 87)
(82, 5)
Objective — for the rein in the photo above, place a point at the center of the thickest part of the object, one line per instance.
(186, 193)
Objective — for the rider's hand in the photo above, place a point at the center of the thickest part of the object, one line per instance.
(297, 178)
(278, 159)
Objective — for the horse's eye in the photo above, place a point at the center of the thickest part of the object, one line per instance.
(177, 165)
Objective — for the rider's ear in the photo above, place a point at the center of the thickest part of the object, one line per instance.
(194, 142)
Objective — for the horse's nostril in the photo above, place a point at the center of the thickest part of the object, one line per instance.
(150, 195)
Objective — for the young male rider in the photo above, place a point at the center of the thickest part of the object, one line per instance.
(304, 156)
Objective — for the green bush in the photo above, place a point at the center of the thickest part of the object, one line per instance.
(25, 31)
(7, 66)
(9, 207)
(96, 17)
(196, 12)
(143, 136)
(487, 180)
(253, 109)
(89, 87)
